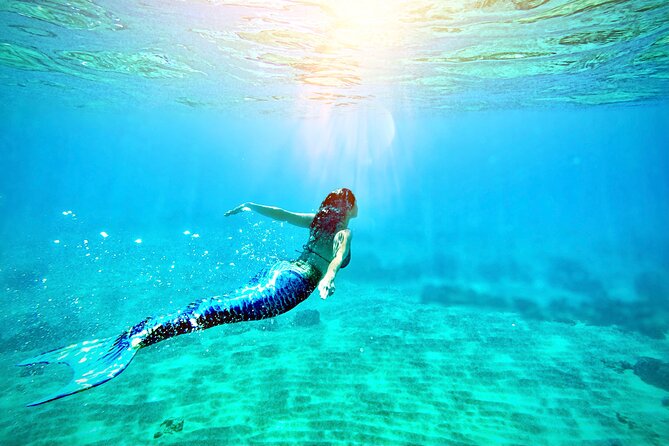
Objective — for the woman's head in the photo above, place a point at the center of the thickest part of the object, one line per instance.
(335, 210)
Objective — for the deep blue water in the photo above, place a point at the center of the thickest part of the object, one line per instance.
(450, 196)
(582, 176)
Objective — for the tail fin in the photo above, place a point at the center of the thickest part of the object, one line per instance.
(93, 362)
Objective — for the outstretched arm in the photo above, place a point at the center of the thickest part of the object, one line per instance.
(342, 244)
(302, 220)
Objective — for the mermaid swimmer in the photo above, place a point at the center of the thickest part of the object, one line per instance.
(271, 292)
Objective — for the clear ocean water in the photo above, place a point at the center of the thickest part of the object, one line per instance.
(509, 280)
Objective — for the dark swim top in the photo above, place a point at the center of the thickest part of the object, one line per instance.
(344, 264)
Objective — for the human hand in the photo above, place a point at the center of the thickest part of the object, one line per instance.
(326, 287)
(244, 207)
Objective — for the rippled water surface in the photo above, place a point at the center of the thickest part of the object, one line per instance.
(415, 54)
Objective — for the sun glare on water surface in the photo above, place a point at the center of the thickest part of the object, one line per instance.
(357, 56)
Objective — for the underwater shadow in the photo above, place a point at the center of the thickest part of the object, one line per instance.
(647, 314)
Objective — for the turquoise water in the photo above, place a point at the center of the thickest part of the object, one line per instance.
(510, 261)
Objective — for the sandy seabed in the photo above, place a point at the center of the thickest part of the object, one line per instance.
(367, 373)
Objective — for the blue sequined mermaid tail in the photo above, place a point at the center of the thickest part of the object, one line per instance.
(270, 293)
(93, 362)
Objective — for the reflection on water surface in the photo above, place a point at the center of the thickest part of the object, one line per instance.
(276, 54)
